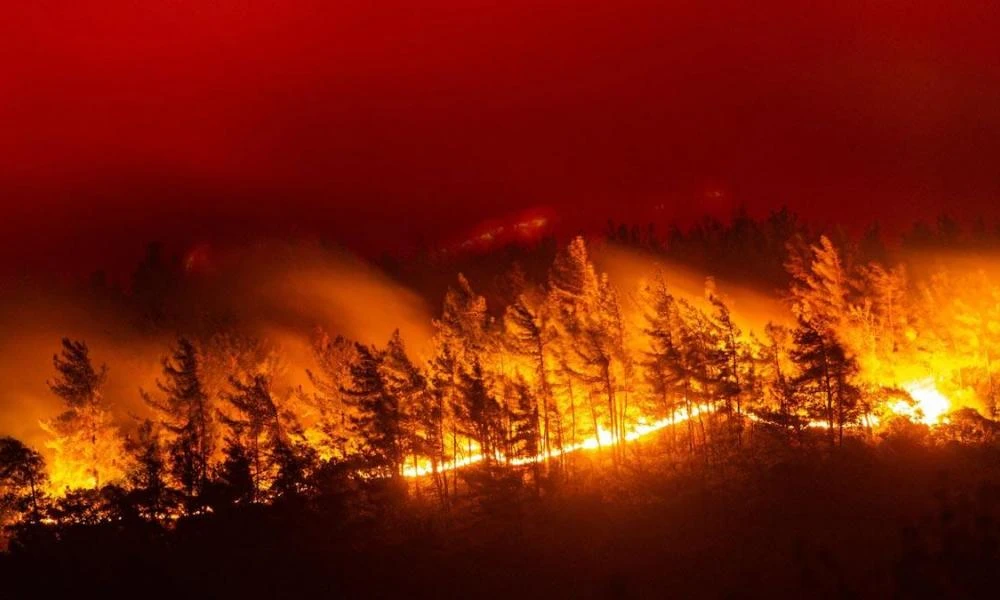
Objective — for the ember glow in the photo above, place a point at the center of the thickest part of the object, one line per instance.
(570, 365)
(531, 298)
(289, 379)
(929, 405)
(603, 439)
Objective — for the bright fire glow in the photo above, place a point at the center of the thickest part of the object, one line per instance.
(603, 439)
(929, 407)
(929, 404)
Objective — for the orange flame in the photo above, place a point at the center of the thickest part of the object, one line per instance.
(603, 439)
(929, 406)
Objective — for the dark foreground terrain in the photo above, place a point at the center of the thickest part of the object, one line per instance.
(898, 520)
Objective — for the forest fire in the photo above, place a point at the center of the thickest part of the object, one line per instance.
(519, 299)
(603, 439)
(929, 405)
(570, 365)
(573, 376)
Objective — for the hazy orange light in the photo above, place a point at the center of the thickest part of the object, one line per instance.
(604, 438)
(929, 405)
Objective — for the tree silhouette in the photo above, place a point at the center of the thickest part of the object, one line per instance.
(379, 420)
(22, 480)
(88, 449)
(147, 476)
(186, 414)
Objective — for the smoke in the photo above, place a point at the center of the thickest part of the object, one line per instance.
(923, 264)
(279, 292)
(292, 288)
(627, 269)
(33, 319)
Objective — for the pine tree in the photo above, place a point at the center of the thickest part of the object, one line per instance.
(186, 416)
(573, 282)
(231, 353)
(662, 368)
(528, 334)
(257, 430)
(780, 403)
(887, 289)
(463, 322)
(821, 294)
(333, 412)
(420, 419)
(295, 462)
(460, 341)
(235, 483)
(692, 358)
(22, 480)
(877, 335)
(525, 438)
(87, 446)
(379, 420)
(590, 328)
(825, 376)
(147, 477)
(618, 379)
(479, 414)
(443, 390)
(700, 364)
(728, 368)
(820, 286)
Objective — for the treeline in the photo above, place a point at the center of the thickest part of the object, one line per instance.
(506, 395)
(755, 250)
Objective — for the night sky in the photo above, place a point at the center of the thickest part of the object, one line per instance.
(388, 124)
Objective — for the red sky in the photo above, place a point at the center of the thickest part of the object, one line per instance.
(384, 123)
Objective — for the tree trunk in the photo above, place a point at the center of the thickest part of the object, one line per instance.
(612, 413)
(593, 415)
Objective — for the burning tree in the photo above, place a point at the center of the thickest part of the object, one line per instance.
(88, 450)
(261, 441)
(529, 333)
(780, 399)
(575, 297)
(478, 416)
(186, 414)
(379, 422)
(22, 481)
(147, 476)
(460, 342)
(331, 422)
(568, 365)
(821, 302)
(419, 418)
(825, 374)
(728, 360)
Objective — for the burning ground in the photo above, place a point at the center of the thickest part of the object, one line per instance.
(287, 382)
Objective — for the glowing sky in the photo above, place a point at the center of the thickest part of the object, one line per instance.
(384, 124)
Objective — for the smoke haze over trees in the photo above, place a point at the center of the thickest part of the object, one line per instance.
(288, 380)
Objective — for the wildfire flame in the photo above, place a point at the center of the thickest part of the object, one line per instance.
(603, 439)
(929, 405)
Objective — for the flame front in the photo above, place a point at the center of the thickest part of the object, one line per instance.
(929, 406)
(572, 365)
(603, 439)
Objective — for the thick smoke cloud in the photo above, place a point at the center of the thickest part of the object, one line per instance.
(278, 292)
(752, 307)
